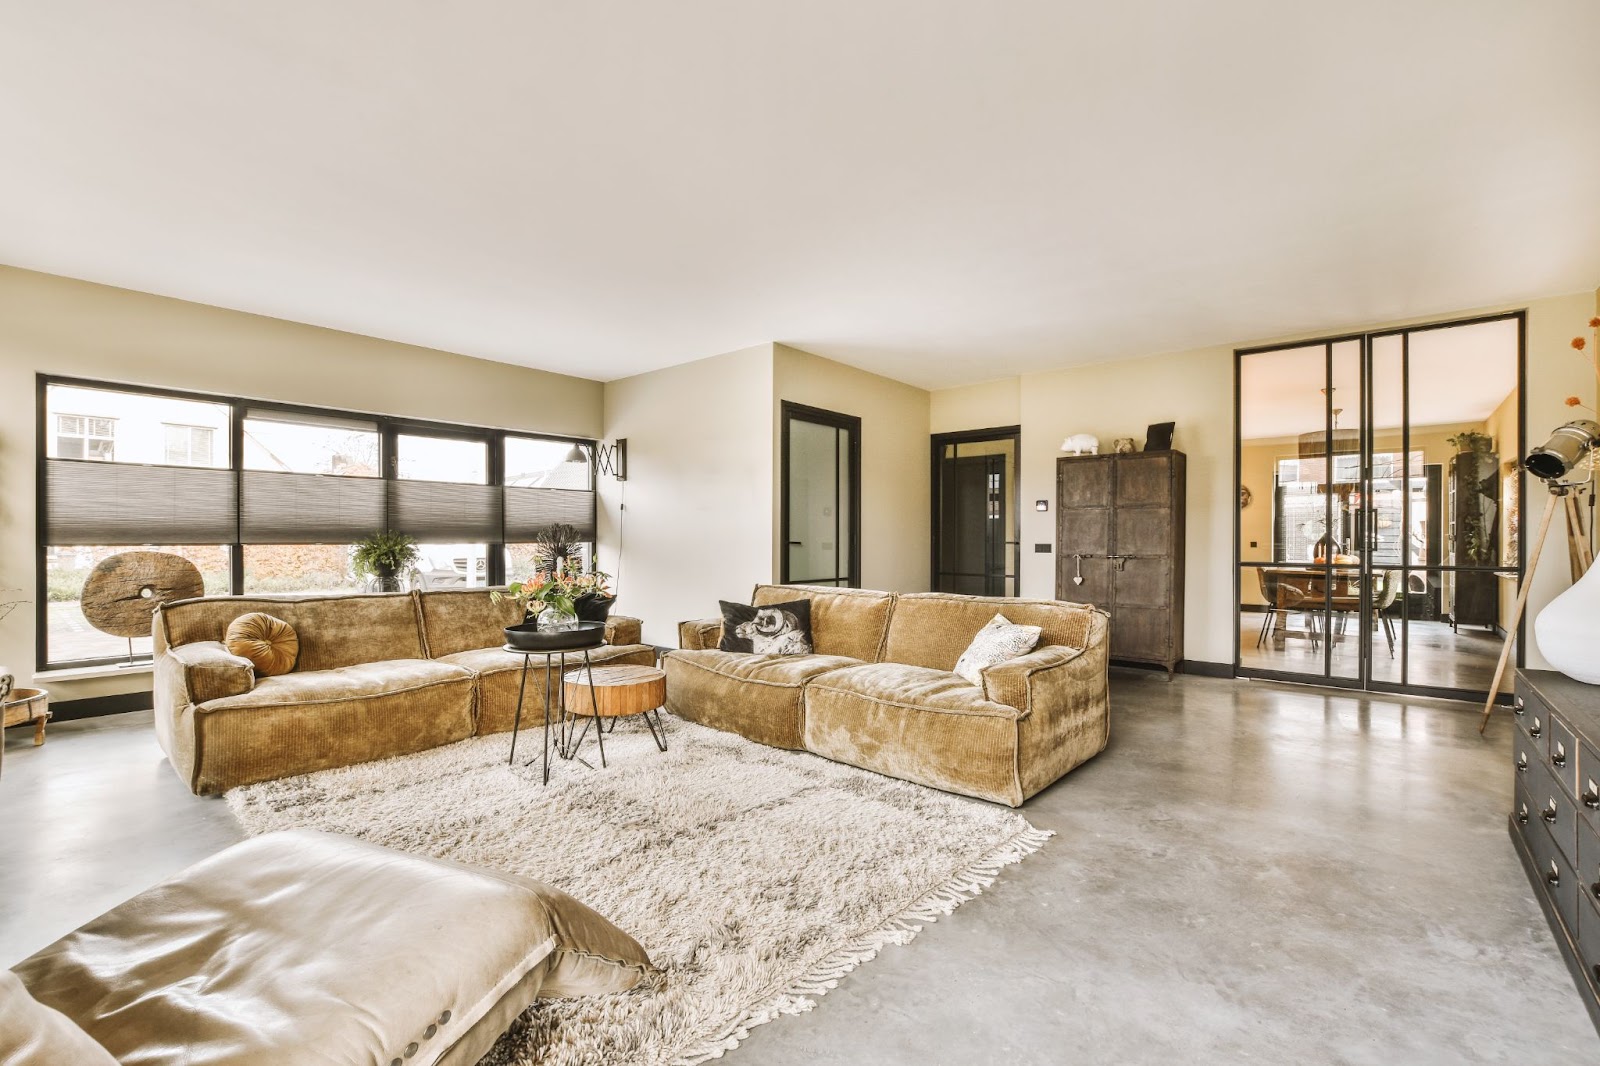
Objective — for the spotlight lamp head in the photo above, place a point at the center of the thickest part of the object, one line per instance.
(1567, 447)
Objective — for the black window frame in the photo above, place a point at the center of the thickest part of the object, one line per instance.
(390, 427)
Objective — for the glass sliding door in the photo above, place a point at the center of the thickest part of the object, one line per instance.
(820, 497)
(1378, 533)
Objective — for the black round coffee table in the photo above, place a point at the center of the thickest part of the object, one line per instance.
(552, 644)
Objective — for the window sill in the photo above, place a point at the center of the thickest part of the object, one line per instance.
(84, 673)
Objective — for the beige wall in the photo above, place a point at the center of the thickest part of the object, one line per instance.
(895, 529)
(989, 405)
(1109, 400)
(693, 522)
(59, 326)
(1195, 389)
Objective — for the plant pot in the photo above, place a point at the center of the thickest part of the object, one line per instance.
(388, 580)
(593, 607)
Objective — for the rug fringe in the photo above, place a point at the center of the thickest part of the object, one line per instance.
(824, 975)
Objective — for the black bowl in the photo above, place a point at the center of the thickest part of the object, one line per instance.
(528, 637)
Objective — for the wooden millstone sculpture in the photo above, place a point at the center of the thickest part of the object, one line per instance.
(124, 590)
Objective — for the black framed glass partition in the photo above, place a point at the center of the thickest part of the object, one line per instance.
(1378, 541)
(976, 515)
(268, 498)
(820, 497)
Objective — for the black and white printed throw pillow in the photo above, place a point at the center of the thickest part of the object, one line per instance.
(776, 629)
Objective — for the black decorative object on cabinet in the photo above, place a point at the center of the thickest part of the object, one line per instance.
(1119, 546)
(1555, 814)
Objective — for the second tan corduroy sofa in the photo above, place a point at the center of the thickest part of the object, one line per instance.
(880, 692)
(377, 676)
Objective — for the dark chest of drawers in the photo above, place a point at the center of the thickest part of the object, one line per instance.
(1555, 814)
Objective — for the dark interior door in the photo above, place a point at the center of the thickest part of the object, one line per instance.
(972, 542)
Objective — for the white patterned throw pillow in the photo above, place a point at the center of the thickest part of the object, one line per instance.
(995, 643)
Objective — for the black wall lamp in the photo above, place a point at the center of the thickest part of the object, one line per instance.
(609, 459)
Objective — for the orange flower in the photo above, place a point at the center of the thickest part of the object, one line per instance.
(1573, 401)
(1578, 343)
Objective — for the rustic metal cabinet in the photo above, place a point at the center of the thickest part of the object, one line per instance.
(1555, 814)
(1119, 526)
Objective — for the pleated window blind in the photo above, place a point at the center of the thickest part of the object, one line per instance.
(91, 502)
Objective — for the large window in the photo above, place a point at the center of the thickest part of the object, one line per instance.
(269, 499)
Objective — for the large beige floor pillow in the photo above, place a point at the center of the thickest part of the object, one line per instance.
(311, 949)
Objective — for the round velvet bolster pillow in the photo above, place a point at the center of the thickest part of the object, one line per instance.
(269, 643)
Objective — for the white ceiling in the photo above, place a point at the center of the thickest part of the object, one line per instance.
(1458, 374)
(941, 192)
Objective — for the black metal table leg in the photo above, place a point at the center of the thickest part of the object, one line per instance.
(516, 723)
(594, 706)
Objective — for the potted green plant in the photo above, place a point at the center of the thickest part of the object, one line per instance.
(384, 556)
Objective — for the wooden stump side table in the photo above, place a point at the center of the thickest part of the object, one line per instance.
(599, 693)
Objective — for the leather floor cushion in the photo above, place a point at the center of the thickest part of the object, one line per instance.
(319, 950)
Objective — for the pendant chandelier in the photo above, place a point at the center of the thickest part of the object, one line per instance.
(1345, 441)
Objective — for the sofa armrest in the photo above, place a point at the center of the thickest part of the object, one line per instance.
(700, 634)
(1013, 681)
(620, 630)
(207, 670)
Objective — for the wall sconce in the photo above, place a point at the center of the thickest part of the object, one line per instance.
(609, 459)
(1041, 505)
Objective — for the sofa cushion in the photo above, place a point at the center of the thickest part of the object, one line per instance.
(848, 622)
(334, 631)
(917, 724)
(269, 643)
(318, 950)
(300, 722)
(347, 682)
(32, 1034)
(756, 696)
(916, 687)
(932, 629)
(457, 620)
(499, 674)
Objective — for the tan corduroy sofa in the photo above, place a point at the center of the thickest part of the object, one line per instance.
(377, 676)
(880, 692)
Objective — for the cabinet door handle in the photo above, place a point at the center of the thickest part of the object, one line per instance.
(1517, 707)
(1554, 876)
(1591, 796)
(1595, 889)
(1536, 730)
(1549, 812)
(1522, 762)
(1559, 756)
(1522, 815)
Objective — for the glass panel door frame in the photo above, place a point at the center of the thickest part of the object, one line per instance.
(849, 459)
(1367, 567)
(939, 442)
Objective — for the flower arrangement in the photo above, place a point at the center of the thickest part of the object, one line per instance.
(567, 589)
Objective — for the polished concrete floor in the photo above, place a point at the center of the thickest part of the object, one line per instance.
(1250, 873)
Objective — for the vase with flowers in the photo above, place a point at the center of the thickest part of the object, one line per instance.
(561, 598)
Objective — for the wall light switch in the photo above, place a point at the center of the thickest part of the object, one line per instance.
(1252, 544)
(1042, 549)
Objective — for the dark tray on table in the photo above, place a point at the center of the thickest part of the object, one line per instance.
(528, 637)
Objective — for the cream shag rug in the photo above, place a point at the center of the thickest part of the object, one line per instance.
(755, 877)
